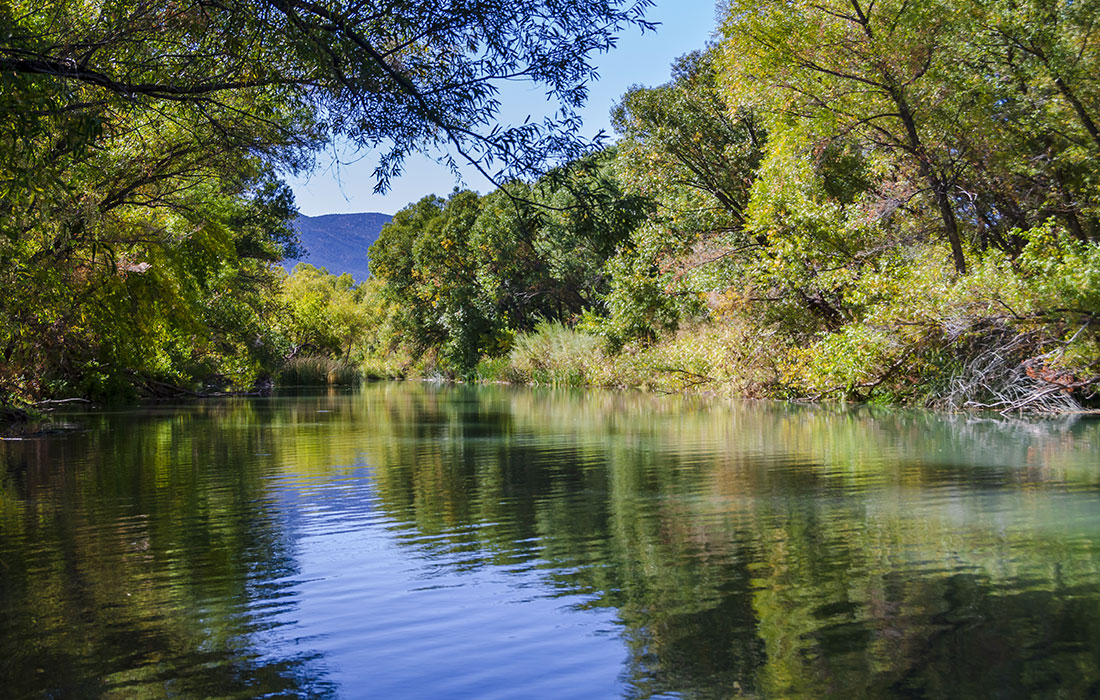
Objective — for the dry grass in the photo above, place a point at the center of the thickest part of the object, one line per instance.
(316, 370)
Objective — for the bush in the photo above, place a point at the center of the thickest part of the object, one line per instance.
(728, 357)
(1010, 334)
(313, 370)
(554, 354)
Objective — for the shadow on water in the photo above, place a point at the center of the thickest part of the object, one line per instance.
(746, 549)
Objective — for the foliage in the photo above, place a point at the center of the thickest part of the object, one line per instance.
(555, 354)
(952, 103)
(835, 200)
(171, 296)
(411, 76)
(922, 334)
(317, 370)
(886, 201)
(324, 313)
(469, 272)
(729, 359)
(140, 147)
(685, 150)
(423, 255)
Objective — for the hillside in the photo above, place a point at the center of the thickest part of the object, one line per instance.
(339, 242)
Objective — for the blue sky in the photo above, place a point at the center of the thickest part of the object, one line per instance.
(345, 185)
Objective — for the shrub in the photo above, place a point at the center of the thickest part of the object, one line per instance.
(554, 354)
(1010, 334)
(314, 370)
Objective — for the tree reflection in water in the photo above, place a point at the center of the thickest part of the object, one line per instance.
(746, 549)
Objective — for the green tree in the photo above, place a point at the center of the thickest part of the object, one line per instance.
(424, 257)
(696, 159)
(138, 204)
(871, 70)
(324, 312)
(548, 243)
(469, 272)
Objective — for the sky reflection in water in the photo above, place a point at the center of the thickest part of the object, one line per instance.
(416, 541)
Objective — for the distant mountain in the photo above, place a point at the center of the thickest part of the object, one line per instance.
(338, 242)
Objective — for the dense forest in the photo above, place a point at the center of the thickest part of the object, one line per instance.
(887, 201)
(141, 144)
(884, 201)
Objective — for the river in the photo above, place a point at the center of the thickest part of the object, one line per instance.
(406, 540)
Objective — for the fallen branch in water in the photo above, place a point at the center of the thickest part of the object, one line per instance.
(162, 391)
(1013, 372)
(1038, 400)
(57, 402)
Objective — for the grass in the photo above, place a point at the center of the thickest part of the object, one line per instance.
(314, 370)
(714, 357)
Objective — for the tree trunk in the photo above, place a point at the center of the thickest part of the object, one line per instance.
(939, 186)
(1079, 108)
(950, 224)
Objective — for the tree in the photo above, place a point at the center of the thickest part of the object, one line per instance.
(424, 257)
(1032, 130)
(469, 272)
(988, 111)
(856, 68)
(683, 135)
(139, 146)
(550, 241)
(696, 159)
(323, 314)
(410, 76)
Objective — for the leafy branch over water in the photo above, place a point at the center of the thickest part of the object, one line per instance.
(141, 143)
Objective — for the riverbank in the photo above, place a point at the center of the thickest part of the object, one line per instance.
(993, 367)
(956, 356)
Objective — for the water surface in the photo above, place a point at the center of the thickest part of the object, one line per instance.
(413, 541)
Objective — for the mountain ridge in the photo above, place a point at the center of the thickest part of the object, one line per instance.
(338, 242)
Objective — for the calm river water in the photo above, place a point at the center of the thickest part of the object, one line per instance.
(411, 541)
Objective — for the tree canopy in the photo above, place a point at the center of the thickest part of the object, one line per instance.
(141, 146)
(879, 199)
(404, 75)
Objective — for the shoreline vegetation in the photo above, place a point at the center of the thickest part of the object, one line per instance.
(890, 202)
